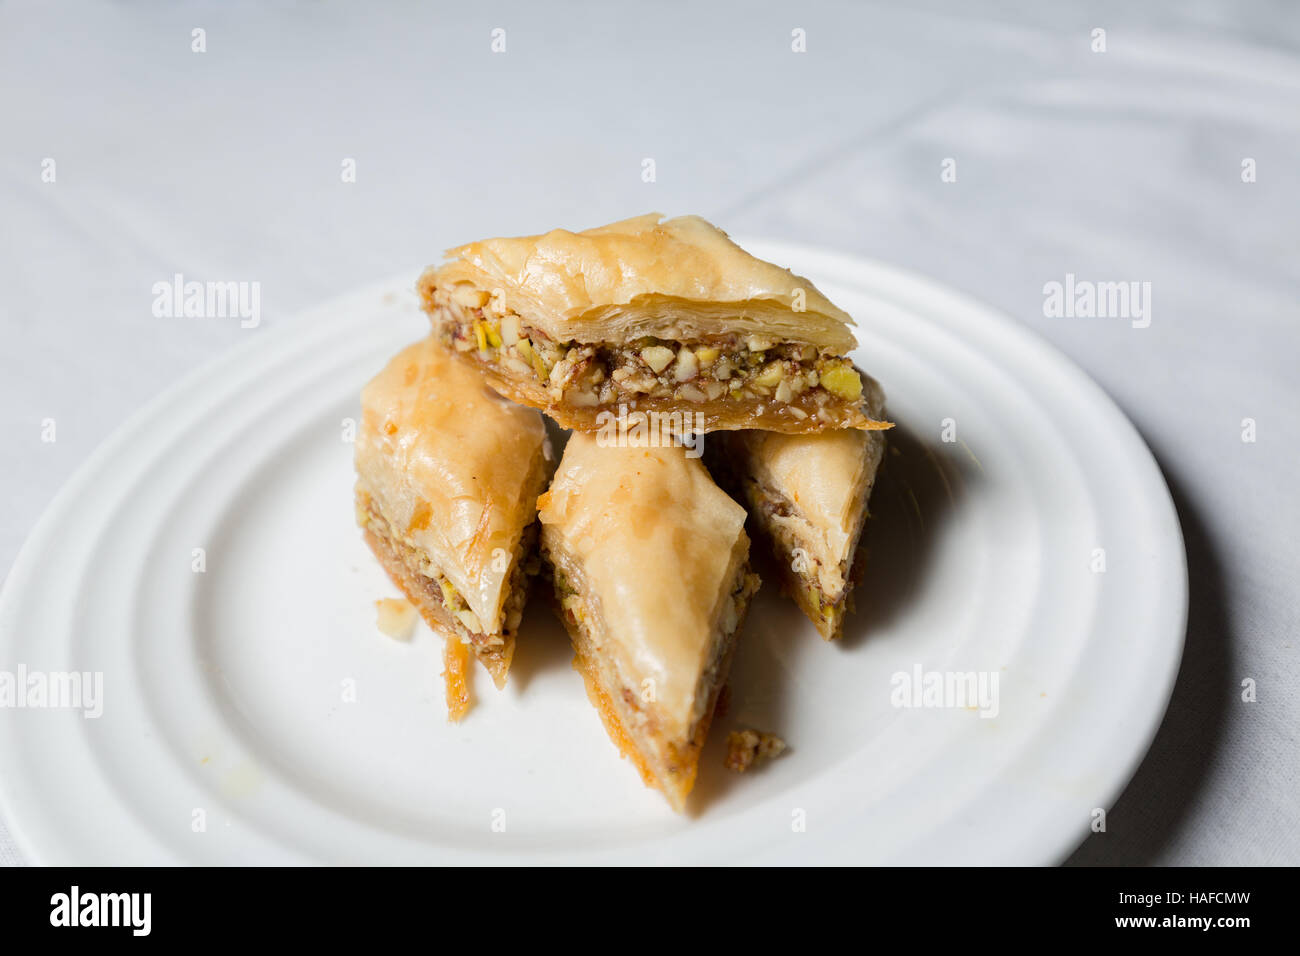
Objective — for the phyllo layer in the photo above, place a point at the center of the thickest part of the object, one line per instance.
(657, 316)
(650, 563)
(807, 499)
(447, 473)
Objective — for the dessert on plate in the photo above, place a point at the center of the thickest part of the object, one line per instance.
(447, 476)
(650, 564)
(807, 499)
(667, 317)
(642, 321)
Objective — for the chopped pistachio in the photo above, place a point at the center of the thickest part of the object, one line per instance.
(769, 376)
(843, 381)
(539, 365)
(480, 335)
(707, 355)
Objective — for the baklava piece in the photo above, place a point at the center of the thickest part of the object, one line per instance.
(643, 315)
(807, 496)
(447, 473)
(650, 563)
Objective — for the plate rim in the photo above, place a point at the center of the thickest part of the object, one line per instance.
(845, 265)
(846, 268)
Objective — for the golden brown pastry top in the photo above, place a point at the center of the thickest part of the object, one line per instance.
(657, 546)
(454, 467)
(679, 279)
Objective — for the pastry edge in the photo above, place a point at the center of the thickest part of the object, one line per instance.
(495, 658)
(799, 586)
(675, 787)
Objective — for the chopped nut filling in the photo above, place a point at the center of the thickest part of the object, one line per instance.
(741, 368)
(823, 588)
(525, 564)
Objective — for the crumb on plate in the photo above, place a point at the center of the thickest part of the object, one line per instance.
(455, 661)
(746, 747)
(395, 617)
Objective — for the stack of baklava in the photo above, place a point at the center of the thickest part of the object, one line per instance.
(647, 338)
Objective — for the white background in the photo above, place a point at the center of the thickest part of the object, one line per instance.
(1122, 165)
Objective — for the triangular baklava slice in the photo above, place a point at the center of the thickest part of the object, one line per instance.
(665, 317)
(807, 498)
(447, 473)
(651, 569)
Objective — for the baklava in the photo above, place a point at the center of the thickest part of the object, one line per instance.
(650, 564)
(668, 317)
(447, 476)
(807, 499)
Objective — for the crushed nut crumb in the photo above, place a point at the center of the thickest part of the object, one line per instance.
(747, 747)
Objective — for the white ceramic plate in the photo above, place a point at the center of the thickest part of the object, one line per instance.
(226, 736)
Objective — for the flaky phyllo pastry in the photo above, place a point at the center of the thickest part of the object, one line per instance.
(448, 473)
(651, 570)
(651, 316)
(807, 499)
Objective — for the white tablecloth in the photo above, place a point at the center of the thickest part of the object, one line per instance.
(1125, 164)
